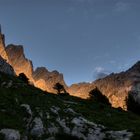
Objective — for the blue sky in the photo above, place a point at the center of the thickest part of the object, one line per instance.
(79, 38)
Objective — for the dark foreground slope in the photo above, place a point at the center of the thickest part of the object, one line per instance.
(27, 113)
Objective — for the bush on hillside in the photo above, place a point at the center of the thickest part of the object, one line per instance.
(132, 104)
(60, 89)
(24, 78)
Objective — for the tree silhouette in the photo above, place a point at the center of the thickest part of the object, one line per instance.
(132, 104)
(96, 95)
(60, 88)
(24, 78)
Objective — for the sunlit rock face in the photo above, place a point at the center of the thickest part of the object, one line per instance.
(80, 89)
(4, 66)
(3, 53)
(18, 60)
(115, 87)
(41, 77)
(41, 84)
(46, 80)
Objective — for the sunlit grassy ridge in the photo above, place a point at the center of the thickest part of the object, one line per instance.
(12, 114)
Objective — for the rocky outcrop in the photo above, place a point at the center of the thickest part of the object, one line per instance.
(41, 77)
(72, 124)
(3, 53)
(46, 80)
(14, 55)
(5, 67)
(80, 90)
(115, 87)
(18, 60)
(10, 134)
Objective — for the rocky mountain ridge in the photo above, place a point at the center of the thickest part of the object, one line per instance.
(2, 46)
(50, 78)
(18, 60)
(41, 77)
(116, 87)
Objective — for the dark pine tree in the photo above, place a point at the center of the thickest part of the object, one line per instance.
(24, 78)
(132, 104)
(60, 89)
(96, 95)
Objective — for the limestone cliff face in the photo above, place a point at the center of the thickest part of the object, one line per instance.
(18, 60)
(46, 80)
(115, 87)
(3, 53)
(41, 77)
(80, 90)
(4, 66)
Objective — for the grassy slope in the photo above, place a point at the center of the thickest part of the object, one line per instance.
(11, 114)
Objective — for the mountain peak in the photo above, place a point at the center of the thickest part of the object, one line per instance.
(135, 67)
(15, 50)
(3, 53)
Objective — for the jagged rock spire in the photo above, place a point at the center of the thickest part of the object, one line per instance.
(3, 53)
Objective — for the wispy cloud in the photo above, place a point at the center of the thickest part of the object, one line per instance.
(100, 72)
(99, 69)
